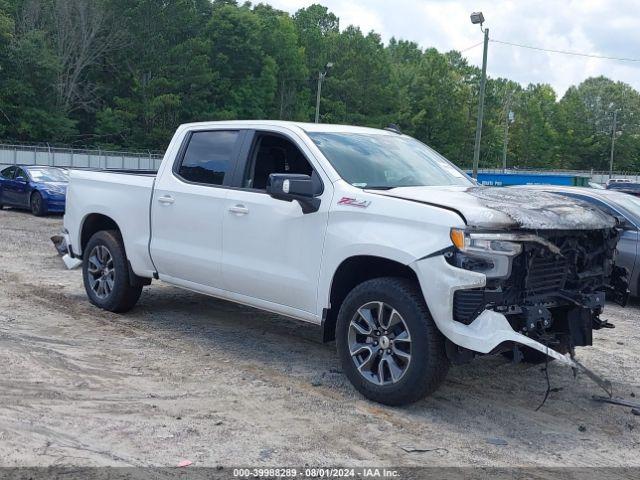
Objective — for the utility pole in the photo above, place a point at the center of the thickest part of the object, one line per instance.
(476, 18)
(509, 118)
(613, 142)
(318, 95)
(321, 77)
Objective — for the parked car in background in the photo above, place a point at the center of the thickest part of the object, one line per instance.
(611, 181)
(39, 189)
(627, 187)
(622, 206)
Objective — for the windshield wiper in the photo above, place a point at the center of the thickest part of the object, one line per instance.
(378, 187)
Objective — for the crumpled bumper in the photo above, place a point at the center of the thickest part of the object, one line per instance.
(439, 281)
(70, 262)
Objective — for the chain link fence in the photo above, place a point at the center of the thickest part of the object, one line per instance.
(15, 154)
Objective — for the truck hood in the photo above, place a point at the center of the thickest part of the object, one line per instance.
(499, 207)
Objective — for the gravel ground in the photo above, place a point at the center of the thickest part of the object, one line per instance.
(183, 376)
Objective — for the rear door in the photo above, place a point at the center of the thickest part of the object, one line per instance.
(16, 189)
(188, 205)
(6, 184)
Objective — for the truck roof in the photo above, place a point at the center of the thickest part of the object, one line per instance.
(306, 127)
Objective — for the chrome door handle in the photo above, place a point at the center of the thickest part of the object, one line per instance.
(239, 209)
(166, 200)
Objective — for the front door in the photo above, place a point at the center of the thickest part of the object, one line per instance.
(271, 250)
(188, 206)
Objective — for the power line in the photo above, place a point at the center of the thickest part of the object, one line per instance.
(564, 52)
(472, 46)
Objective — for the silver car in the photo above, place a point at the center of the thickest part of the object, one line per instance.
(621, 205)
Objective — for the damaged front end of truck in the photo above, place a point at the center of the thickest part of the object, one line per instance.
(550, 285)
(529, 272)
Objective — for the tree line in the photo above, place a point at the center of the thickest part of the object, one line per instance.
(125, 73)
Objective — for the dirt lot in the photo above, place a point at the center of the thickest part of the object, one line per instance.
(183, 376)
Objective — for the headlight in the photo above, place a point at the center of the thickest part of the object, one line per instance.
(486, 243)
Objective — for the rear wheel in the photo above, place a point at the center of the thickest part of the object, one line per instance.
(37, 204)
(388, 344)
(106, 273)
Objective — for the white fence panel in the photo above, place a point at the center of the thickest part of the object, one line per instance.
(76, 158)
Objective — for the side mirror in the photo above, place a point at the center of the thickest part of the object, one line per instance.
(625, 225)
(290, 187)
(21, 179)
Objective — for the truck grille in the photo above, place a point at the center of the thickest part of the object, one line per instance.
(546, 275)
(467, 304)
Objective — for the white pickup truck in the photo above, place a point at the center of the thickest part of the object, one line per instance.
(392, 250)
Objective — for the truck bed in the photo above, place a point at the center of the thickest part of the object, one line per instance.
(146, 173)
(124, 197)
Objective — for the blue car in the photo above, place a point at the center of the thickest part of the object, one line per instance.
(39, 189)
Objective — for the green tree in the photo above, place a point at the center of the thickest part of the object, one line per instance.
(533, 137)
(435, 104)
(585, 124)
(28, 106)
(126, 73)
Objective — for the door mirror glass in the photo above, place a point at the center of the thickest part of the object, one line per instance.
(289, 187)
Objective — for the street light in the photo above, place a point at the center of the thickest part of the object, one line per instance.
(321, 77)
(477, 18)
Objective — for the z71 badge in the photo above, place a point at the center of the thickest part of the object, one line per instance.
(353, 202)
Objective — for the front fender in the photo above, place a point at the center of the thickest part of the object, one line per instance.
(390, 229)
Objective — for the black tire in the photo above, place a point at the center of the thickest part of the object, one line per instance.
(38, 207)
(428, 365)
(122, 296)
(530, 355)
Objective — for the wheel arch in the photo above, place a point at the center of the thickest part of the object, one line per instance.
(351, 272)
(33, 191)
(93, 223)
(97, 222)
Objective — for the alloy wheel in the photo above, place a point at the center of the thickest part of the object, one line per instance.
(101, 271)
(36, 202)
(379, 343)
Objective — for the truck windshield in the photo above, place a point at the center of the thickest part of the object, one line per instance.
(386, 161)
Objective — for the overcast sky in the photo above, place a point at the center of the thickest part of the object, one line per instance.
(600, 27)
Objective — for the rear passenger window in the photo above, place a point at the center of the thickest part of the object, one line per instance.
(209, 157)
(7, 172)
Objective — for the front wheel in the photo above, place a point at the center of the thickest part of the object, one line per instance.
(388, 343)
(37, 204)
(106, 275)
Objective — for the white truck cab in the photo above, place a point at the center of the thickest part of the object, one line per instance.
(370, 234)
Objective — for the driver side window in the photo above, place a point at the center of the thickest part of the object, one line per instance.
(20, 173)
(273, 154)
